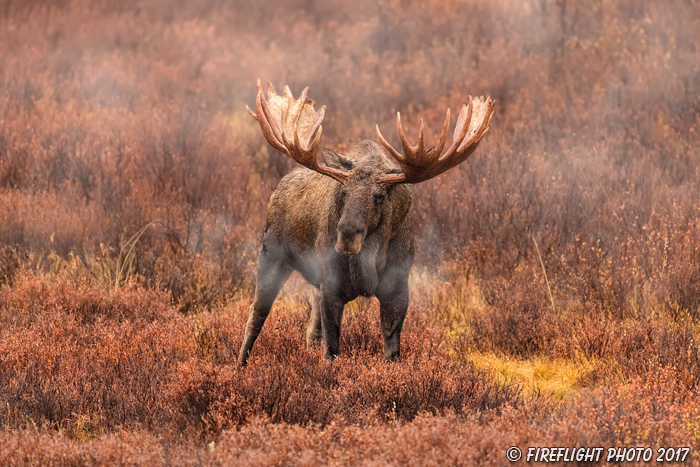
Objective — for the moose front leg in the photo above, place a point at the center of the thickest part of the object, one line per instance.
(393, 304)
(331, 317)
(313, 330)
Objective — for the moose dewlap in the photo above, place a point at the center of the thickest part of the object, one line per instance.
(345, 222)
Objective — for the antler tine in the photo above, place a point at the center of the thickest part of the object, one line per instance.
(259, 88)
(443, 135)
(388, 146)
(317, 140)
(268, 125)
(419, 165)
(465, 117)
(316, 127)
(407, 148)
(420, 147)
(297, 143)
(293, 127)
(298, 105)
(270, 89)
(481, 130)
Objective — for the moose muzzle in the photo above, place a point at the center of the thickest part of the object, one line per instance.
(348, 246)
(350, 238)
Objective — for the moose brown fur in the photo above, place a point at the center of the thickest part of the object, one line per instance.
(345, 222)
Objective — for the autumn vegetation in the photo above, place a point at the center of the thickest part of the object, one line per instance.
(555, 299)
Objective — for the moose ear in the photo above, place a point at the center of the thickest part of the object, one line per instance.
(335, 160)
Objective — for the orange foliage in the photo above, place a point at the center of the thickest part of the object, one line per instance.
(133, 187)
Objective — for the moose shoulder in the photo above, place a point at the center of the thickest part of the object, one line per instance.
(345, 222)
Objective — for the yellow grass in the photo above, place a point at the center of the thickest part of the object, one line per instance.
(561, 378)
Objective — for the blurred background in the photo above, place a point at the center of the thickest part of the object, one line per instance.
(126, 152)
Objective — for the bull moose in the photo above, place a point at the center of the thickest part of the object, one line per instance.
(344, 222)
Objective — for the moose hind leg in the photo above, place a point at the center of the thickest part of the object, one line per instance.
(392, 312)
(313, 331)
(272, 274)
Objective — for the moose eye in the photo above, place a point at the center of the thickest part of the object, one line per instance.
(378, 198)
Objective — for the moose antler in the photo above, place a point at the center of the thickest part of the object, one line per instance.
(294, 128)
(418, 165)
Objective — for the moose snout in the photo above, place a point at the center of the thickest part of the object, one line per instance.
(350, 239)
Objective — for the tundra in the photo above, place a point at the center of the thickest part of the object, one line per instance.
(344, 222)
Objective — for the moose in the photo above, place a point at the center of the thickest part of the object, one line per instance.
(344, 222)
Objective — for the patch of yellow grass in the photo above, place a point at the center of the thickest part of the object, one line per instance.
(539, 375)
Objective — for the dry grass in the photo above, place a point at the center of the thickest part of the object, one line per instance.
(561, 378)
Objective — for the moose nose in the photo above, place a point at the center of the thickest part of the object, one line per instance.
(350, 237)
(349, 230)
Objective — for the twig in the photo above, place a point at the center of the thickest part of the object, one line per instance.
(124, 263)
(549, 289)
